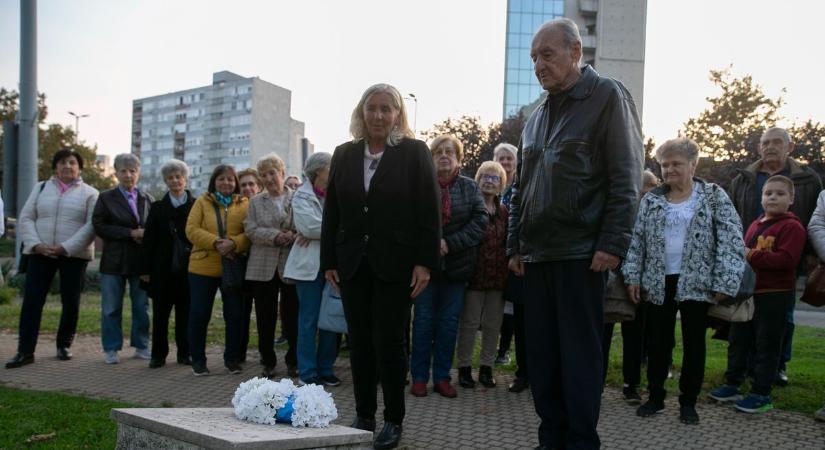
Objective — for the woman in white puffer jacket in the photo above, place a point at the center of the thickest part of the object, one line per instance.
(55, 227)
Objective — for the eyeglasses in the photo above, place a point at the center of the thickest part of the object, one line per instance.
(444, 151)
(490, 178)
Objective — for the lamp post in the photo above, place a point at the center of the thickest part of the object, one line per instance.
(415, 119)
(77, 118)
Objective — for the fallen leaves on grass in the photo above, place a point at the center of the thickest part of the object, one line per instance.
(41, 437)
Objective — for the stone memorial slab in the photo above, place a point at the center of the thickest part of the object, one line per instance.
(218, 428)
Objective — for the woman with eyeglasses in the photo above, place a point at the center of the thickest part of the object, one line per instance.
(483, 303)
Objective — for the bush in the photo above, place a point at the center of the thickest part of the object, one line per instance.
(7, 294)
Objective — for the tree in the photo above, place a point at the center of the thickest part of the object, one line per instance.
(809, 140)
(730, 128)
(479, 142)
(51, 139)
(57, 137)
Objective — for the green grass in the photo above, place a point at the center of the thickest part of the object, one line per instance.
(805, 393)
(46, 420)
(89, 319)
(806, 390)
(6, 247)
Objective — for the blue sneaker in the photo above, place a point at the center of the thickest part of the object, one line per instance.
(726, 393)
(754, 403)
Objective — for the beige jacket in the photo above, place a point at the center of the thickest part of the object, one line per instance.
(52, 218)
(264, 222)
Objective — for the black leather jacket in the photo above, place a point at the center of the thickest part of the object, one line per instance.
(579, 174)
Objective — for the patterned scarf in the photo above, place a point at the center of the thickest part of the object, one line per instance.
(446, 202)
(224, 200)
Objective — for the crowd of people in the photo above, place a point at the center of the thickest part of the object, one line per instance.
(424, 257)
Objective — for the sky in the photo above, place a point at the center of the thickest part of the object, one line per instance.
(96, 56)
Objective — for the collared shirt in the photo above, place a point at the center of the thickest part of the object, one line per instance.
(63, 187)
(761, 178)
(178, 201)
(131, 199)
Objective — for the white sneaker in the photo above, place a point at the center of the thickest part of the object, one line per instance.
(111, 357)
(143, 353)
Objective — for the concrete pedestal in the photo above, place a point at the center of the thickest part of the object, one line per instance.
(218, 428)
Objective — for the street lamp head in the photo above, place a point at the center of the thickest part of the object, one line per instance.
(411, 95)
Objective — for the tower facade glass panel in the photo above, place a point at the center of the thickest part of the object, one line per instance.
(523, 19)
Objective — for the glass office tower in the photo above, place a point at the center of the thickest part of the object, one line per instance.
(524, 17)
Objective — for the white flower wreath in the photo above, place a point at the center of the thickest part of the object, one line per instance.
(259, 399)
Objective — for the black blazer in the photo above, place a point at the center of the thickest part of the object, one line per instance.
(396, 226)
(113, 221)
(158, 242)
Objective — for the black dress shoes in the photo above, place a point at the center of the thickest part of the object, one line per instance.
(389, 437)
(518, 385)
(363, 424)
(156, 363)
(63, 353)
(19, 360)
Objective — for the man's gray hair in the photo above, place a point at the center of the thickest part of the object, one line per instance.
(785, 136)
(315, 164)
(126, 160)
(568, 28)
(172, 166)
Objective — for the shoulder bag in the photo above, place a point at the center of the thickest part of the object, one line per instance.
(180, 251)
(814, 294)
(617, 304)
(234, 269)
(331, 316)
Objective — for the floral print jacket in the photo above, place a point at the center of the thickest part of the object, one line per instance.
(713, 258)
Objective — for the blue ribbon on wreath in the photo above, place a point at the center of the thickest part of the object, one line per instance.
(284, 413)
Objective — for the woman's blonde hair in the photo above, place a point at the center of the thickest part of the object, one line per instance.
(489, 166)
(444, 138)
(271, 161)
(358, 126)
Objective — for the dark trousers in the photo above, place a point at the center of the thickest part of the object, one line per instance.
(633, 337)
(174, 295)
(506, 333)
(376, 312)
(521, 345)
(38, 280)
(202, 292)
(248, 301)
(764, 333)
(661, 323)
(288, 304)
(266, 313)
(564, 322)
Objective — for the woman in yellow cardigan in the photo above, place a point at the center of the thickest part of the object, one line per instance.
(217, 261)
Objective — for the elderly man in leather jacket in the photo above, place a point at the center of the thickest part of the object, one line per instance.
(746, 192)
(571, 218)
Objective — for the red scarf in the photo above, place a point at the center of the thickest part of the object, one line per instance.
(446, 203)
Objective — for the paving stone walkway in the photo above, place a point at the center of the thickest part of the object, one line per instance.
(477, 419)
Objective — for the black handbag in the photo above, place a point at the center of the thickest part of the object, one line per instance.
(23, 263)
(234, 269)
(180, 251)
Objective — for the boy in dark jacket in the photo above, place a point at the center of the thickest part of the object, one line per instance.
(774, 244)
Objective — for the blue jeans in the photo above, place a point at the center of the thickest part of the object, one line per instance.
(313, 361)
(112, 288)
(435, 327)
(787, 339)
(202, 292)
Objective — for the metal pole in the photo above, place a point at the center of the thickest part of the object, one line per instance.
(28, 116)
(415, 119)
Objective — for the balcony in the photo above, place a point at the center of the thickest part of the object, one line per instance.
(588, 8)
(588, 41)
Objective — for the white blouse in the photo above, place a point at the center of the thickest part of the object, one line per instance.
(677, 221)
(371, 162)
